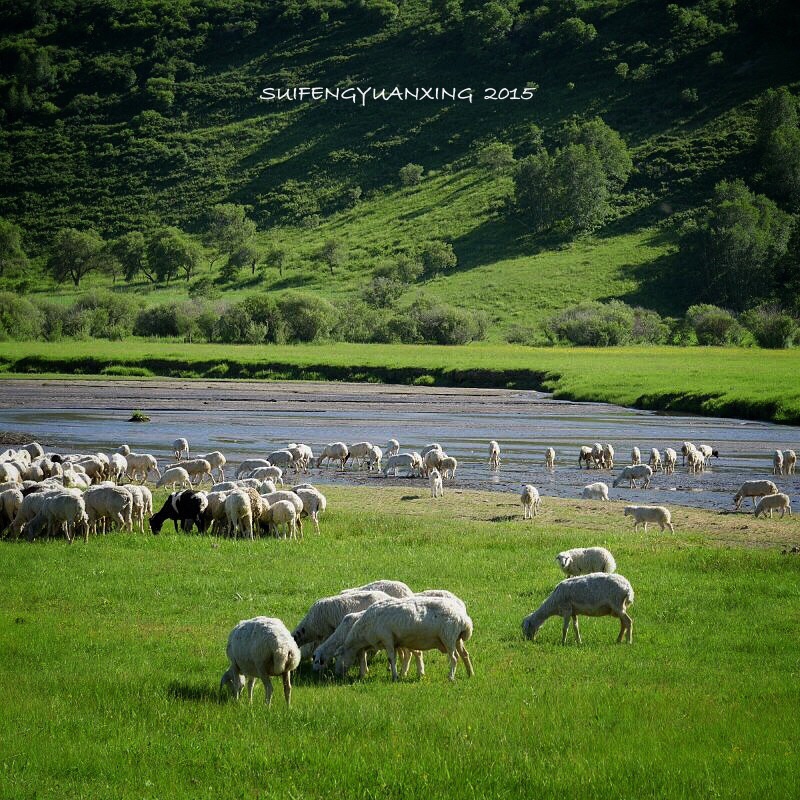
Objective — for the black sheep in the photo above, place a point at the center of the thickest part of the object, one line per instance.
(186, 506)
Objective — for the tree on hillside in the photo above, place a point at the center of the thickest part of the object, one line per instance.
(170, 252)
(487, 26)
(275, 257)
(75, 254)
(333, 254)
(437, 257)
(13, 259)
(229, 230)
(130, 250)
(777, 107)
(582, 199)
(245, 255)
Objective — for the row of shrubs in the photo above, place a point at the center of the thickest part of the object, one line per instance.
(596, 324)
(256, 319)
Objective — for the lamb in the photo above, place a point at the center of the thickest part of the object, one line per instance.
(670, 460)
(550, 458)
(248, 465)
(494, 455)
(303, 455)
(655, 460)
(608, 456)
(644, 514)
(274, 474)
(334, 451)
(113, 503)
(283, 512)
(373, 458)
(324, 616)
(584, 560)
(774, 502)
(142, 504)
(283, 459)
(789, 462)
(314, 503)
(173, 477)
(436, 483)
(595, 595)
(198, 470)
(10, 501)
(239, 513)
(753, 489)
(595, 491)
(117, 467)
(448, 467)
(358, 452)
(184, 506)
(777, 463)
(392, 447)
(180, 447)
(61, 510)
(412, 623)
(404, 461)
(142, 464)
(634, 473)
(531, 502)
(585, 456)
(217, 461)
(261, 647)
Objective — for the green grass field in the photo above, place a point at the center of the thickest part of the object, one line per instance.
(749, 383)
(113, 651)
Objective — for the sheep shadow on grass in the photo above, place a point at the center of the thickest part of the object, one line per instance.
(197, 692)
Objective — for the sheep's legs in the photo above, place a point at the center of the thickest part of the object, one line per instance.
(576, 629)
(420, 663)
(267, 681)
(453, 664)
(565, 629)
(405, 656)
(287, 687)
(392, 656)
(626, 627)
(363, 669)
(462, 651)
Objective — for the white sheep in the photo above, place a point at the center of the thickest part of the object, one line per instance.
(585, 456)
(636, 456)
(777, 463)
(142, 464)
(789, 462)
(34, 449)
(373, 458)
(274, 474)
(142, 504)
(117, 467)
(494, 455)
(9, 473)
(696, 461)
(595, 595)
(670, 460)
(435, 478)
(60, 510)
(283, 512)
(550, 458)
(429, 447)
(392, 447)
(284, 459)
(595, 491)
(644, 514)
(597, 455)
(198, 470)
(334, 451)
(359, 452)
(774, 502)
(753, 489)
(448, 466)
(583, 560)
(686, 448)
(634, 473)
(10, 501)
(261, 647)
(124, 450)
(175, 476)
(608, 456)
(248, 465)
(181, 448)
(217, 461)
(708, 451)
(404, 461)
(239, 513)
(314, 503)
(392, 588)
(655, 460)
(109, 503)
(412, 623)
(531, 501)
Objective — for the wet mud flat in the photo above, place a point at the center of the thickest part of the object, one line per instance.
(246, 420)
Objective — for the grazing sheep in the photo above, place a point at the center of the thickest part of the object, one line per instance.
(595, 595)
(325, 614)
(29, 508)
(261, 647)
(290, 496)
(142, 504)
(181, 449)
(314, 503)
(644, 514)
(9, 473)
(708, 451)
(636, 456)
(10, 501)
(686, 448)
(248, 465)
(432, 446)
(670, 460)
(404, 461)
(777, 463)
(373, 458)
(326, 652)
(274, 474)
(753, 489)
(634, 473)
(595, 491)
(109, 503)
(117, 467)
(186, 507)
(448, 466)
(494, 455)
(283, 459)
(60, 511)
(283, 512)
(436, 483)
(392, 447)
(608, 456)
(789, 462)
(597, 455)
(141, 464)
(198, 470)
(655, 460)
(334, 451)
(696, 461)
(215, 520)
(358, 452)
(173, 477)
(412, 623)
(774, 502)
(217, 461)
(583, 560)
(239, 512)
(432, 460)
(550, 458)
(585, 456)
(392, 588)
(531, 502)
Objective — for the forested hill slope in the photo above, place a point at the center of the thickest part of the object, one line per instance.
(126, 115)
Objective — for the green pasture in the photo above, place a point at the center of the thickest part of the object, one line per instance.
(113, 651)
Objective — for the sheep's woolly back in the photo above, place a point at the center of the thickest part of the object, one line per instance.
(773, 502)
(392, 588)
(756, 489)
(325, 615)
(262, 643)
(584, 560)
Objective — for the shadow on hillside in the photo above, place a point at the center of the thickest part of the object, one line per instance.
(494, 240)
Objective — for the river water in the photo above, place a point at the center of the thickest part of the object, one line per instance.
(246, 420)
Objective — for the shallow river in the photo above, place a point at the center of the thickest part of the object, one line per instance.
(249, 419)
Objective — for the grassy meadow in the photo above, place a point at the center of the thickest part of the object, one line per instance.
(112, 653)
(732, 382)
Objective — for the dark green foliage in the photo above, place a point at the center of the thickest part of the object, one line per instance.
(13, 259)
(571, 32)
(130, 250)
(170, 252)
(307, 318)
(189, 321)
(107, 315)
(437, 257)
(19, 318)
(411, 174)
(496, 156)
(593, 324)
(437, 323)
(713, 325)
(382, 292)
(231, 235)
(74, 255)
(406, 268)
(771, 325)
(332, 254)
(487, 26)
(204, 289)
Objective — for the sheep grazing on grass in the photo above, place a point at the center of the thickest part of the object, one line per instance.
(595, 595)
(670, 460)
(283, 512)
(187, 506)
(181, 449)
(494, 455)
(117, 467)
(239, 512)
(753, 489)
(642, 515)
(263, 648)
(175, 476)
(585, 456)
(411, 623)
(633, 473)
(595, 491)
(60, 511)
(198, 470)
(636, 456)
(401, 461)
(655, 460)
(142, 504)
(274, 474)
(531, 502)
(448, 467)
(334, 451)
(774, 502)
(141, 465)
(584, 560)
(789, 462)
(108, 505)
(550, 458)
(10, 501)
(392, 588)
(777, 463)
(314, 503)
(217, 461)
(436, 483)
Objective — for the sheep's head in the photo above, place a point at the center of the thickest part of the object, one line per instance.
(530, 627)
(344, 660)
(156, 524)
(563, 561)
(628, 511)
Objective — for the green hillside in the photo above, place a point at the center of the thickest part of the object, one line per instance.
(124, 116)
